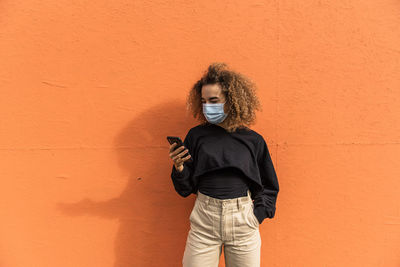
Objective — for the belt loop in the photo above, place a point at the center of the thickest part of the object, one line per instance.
(238, 203)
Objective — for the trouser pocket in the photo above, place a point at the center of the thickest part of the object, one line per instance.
(255, 220)
(245, 221)
(193, 213)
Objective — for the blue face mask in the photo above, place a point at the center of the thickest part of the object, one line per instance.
(214, 112)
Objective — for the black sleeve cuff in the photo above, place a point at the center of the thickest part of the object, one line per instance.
(178, 174)
(260, 213)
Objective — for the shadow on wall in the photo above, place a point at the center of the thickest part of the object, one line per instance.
(154, 219)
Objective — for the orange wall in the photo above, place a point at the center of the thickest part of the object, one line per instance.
(90, 89)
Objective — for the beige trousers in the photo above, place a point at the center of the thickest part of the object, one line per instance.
(229, 222)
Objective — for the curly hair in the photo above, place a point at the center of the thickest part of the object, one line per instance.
(240, 93)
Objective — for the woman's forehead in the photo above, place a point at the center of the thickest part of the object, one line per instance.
(211, 90)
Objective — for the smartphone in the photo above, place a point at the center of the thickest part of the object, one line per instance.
(178, 140)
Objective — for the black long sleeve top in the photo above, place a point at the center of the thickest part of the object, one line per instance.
(213, 148)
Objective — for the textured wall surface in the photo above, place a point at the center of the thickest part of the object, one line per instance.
(90, 89)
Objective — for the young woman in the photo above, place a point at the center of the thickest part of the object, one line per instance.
(230, 167)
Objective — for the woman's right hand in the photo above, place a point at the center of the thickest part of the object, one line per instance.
(177, 156)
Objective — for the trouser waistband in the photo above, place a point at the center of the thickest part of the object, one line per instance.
(216, 202)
